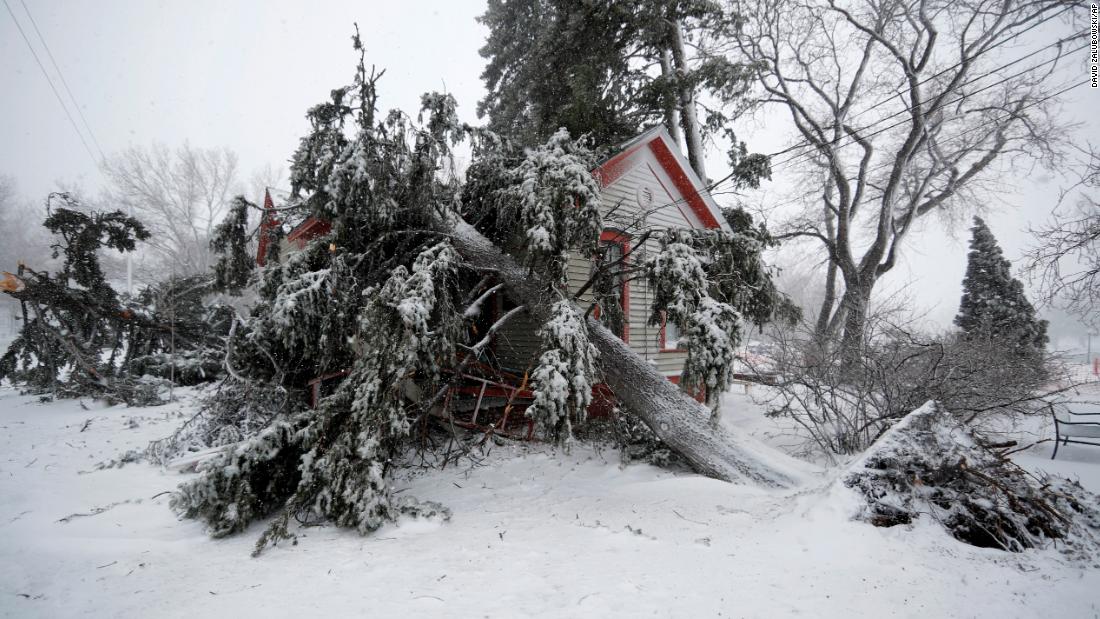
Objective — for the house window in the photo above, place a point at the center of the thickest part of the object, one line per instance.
(670, 336)
(612, 286)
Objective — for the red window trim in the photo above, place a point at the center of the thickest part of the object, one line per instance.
(623, 239)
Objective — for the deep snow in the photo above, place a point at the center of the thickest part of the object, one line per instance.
(533, 533)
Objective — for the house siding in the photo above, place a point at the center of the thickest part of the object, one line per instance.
(518, 345)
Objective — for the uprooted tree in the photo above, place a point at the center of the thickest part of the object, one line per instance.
(929, 464)
(388, 297)
(79, 338)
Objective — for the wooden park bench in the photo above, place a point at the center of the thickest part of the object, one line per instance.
(1070, 427)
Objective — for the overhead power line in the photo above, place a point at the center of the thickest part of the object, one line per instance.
(846, 140)
(804, 143)
(952, 138)
(714, 185)
(64, 82)
(52, 86)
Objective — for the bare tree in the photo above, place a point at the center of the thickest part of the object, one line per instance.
(901, 369)
(1066, 258)
(264, 178)
(180, 194)
(903, 108)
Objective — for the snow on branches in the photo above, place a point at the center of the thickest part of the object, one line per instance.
(332, 463)
(931, 464)
(566, 372)
(80, 338)
(709, 327)
(556, 203)
(381, 302)
(410, 326)
(230, 243)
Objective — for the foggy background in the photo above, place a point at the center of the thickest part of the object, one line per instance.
(241, 75)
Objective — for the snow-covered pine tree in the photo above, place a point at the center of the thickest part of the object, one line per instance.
(994, 307)
(229, 242)
(385, 298)
(608, 69)
(80, 338)
(388, 297)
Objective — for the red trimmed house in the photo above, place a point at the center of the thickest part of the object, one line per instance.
(647, 184)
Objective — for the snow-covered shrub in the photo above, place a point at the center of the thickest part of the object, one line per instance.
(929, 464)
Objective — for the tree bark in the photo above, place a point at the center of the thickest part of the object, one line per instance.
(672, 116)
(821, 329)
(857, 297)
(680, 421)
(693, 137)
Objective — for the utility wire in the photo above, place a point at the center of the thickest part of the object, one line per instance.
(906, 108)
(838, 145)
(64, 82)
(709, 188)
(52, 87)
(961, 134)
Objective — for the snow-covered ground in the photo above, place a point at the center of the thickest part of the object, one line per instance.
(533, 533)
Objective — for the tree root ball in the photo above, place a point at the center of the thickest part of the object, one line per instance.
(931, 465)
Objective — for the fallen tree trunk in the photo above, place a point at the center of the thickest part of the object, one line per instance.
(676, 418)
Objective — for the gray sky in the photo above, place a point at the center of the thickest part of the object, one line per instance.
(230, 74)
(241, 74)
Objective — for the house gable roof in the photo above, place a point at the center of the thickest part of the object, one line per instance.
(659, 143)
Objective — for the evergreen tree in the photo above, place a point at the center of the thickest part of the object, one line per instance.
(994, 306)
(607, 69)
(229, 243)
(79, 338)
